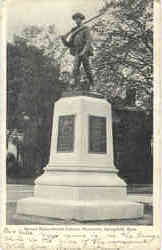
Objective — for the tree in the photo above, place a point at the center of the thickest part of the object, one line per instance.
(47, 39)
(123, 70)
(33, 87)
(124, 51)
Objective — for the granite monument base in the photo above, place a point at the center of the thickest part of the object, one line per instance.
(81, 181)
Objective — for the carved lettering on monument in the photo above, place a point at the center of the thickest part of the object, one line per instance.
(65, 142)
(97, 134)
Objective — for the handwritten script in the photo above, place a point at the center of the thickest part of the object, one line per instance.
(77, 238)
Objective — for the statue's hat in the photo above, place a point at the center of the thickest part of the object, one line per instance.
(78, 14)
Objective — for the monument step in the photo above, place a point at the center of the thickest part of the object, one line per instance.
(80, 210)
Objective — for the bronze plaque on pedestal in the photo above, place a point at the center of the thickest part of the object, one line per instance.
(65, 142)
(97, 134)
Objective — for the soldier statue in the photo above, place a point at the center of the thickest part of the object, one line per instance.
(81, 48)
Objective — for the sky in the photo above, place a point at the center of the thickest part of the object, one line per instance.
(44, 12)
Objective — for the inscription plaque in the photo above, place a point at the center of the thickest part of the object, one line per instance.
(65, 142)
(97, 134)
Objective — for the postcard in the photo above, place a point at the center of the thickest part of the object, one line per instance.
(80, 124)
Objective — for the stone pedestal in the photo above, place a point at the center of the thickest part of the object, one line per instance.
(81, 181)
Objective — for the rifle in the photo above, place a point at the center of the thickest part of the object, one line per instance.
(71, 32)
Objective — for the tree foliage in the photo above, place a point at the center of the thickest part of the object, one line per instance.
(32, 79)
(47, 39)
(33, 86)
(124, 50)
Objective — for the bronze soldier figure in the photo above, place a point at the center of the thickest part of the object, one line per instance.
(80, 47)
